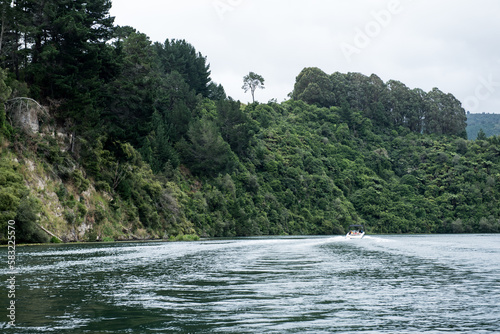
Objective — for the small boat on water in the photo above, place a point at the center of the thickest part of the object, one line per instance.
(355, 232)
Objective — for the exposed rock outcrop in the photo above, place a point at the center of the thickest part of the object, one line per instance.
(25, 113)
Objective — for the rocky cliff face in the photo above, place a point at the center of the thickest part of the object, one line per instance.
(25, 113)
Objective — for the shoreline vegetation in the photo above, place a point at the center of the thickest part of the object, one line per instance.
(106, 135)
(177, 238)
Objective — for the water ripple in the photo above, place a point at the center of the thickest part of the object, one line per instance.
(404, 284)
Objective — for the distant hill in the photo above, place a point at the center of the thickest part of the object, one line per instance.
(490, 123)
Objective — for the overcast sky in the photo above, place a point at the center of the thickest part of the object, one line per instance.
(449, 44)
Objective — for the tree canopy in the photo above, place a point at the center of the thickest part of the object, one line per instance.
(390, 104)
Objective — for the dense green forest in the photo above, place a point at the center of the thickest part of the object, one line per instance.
(132, 139)
(488, 123)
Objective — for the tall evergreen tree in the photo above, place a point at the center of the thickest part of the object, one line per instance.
(206, 152)
(67, 44)
(180, 56)
(236, 127)
(158, 149)
(176, 101)
(131, 95)
(5, 92)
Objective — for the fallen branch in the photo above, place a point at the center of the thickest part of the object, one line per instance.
(49, 233)
(26, 99)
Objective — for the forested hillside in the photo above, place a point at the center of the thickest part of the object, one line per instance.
(106, 135)
(488, 123)
(389, 104)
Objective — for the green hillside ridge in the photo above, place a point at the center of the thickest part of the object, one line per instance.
(108, 136)
(488, 123)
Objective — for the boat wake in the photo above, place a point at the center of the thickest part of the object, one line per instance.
(377, 239)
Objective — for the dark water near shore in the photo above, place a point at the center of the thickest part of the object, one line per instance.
(380, 284)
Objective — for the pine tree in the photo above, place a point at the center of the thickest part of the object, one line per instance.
(180, 56)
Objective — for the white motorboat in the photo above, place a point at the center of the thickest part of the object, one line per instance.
(355, 232)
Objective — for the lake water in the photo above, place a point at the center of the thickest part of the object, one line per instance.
(380, 284)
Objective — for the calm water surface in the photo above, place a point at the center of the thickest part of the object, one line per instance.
(380, 284)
